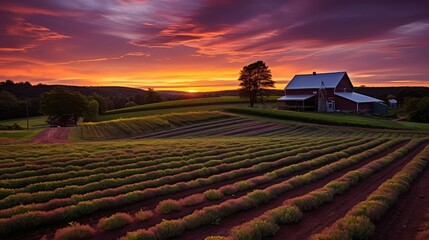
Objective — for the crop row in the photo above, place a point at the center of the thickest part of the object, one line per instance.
(161, 176)
(34, 219)
(125, 167)
(357, 223)
(110, 158)
(55, 203)
(326, 194)
(269, 177)
(141, 125)
(255, 198)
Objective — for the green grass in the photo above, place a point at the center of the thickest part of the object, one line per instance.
(340, 119)
(35, 122)
(19, 134)
(186, 103)
(214, 107)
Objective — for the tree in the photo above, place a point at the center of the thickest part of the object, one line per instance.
(417, 109)
(254, 79)
(102, 102)
(152, 96)
(91, 114)
(8, 101)
(63, 103)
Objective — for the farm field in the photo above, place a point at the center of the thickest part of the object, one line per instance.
(233, 177)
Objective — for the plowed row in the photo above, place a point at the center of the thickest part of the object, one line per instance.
(237, 126)
(217, 184)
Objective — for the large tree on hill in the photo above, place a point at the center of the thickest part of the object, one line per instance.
(63, 103)
(254, 80)
(152, 96)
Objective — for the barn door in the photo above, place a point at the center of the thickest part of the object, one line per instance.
(330, 106)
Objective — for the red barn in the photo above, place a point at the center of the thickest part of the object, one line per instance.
(325, 92)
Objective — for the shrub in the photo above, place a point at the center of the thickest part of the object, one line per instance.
(215, 238)
(168, 229)
(213, 194)
(286, 214)
(254, 230)
(258, 197)
(75, 231)
(168, 206)
(142, 234)
(242, 186)
(143, 215)
(228, 190)
(359, 228)
(115, 221)
(192, 200)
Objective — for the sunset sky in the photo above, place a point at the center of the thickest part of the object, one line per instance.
(202, 44)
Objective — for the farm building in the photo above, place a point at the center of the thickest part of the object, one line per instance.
(326, 92)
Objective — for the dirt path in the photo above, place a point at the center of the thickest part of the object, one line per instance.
(53, 135)
(404, 218)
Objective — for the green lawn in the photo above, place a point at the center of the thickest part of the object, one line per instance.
(340, 119)
(35, 122)
(19, 134)
(186, 103)
(198, 108)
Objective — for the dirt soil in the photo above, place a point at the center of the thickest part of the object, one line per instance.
(404, 218)
(53, 135)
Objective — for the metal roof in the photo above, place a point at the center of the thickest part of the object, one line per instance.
(295, 97)
(357, 97)
(330, 80)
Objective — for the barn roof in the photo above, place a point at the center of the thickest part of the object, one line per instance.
(289, 97)
(330, 80)
(357, 97)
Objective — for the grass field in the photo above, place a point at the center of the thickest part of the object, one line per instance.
(34, 122)
(187, 103)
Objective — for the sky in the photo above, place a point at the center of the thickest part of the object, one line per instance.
(201, 45)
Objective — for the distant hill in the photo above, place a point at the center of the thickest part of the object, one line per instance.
(26, 90)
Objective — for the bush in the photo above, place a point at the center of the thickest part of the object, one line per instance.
(143, 215)
(192, 200)
(142, 234)
(75, 231)
(169, 229)
(228, 190)
(168, 206)
(254, 230)
(287, 214)
(242, 186)
(257, 197)
(115, 221)
(213, 194)
(359, 228)
(215, 238)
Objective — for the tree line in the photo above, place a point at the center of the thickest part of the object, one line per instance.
(29, 96)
